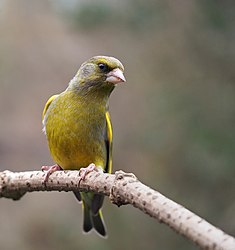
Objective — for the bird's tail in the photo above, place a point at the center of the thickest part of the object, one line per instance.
(91, 220)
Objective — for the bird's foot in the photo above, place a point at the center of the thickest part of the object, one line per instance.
(84, 171)
(50, 170)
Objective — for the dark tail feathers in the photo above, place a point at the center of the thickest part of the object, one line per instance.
(93, 221)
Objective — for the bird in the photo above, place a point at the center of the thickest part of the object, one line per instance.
(79, 132)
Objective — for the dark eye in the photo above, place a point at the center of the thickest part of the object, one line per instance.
(103, 66)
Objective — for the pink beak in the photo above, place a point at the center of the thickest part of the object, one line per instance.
(115, 76)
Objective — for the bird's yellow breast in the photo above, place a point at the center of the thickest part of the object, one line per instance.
(75, 130)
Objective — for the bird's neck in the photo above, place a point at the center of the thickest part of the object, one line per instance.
(98, 92)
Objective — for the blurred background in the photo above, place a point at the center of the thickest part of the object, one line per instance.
(174, 119)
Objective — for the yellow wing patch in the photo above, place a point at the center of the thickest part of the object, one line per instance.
(48, 103)
(109, 143)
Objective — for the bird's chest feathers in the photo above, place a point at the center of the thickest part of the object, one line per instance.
(75, 132)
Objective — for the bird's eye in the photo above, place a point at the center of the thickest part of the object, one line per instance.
(103, 66)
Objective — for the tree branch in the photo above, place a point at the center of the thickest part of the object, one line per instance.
(122, 188)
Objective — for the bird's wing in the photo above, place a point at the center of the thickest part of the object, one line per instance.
(108, 143)
(48, 103)
(97, 199)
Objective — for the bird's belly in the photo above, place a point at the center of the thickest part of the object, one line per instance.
(77, 145)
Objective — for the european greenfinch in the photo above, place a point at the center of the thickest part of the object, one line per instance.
(79, 131)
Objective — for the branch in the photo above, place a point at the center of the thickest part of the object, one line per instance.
(122, 188)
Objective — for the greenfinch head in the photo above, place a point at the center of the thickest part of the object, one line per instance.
(98, 73)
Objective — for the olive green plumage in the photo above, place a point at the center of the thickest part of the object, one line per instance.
(78, 127)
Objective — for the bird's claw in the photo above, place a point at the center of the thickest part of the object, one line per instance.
(50, 170)
(84, 171)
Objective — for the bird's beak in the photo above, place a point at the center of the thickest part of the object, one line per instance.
(115, 76)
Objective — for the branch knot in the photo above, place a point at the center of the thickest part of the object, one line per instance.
(121, 179)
